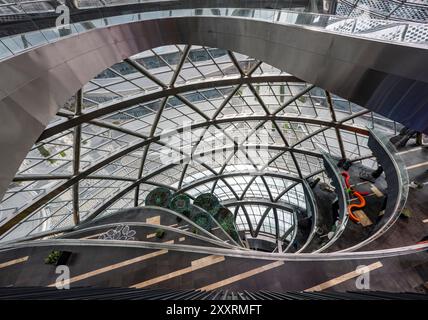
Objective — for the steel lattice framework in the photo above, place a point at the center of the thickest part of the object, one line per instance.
(407, 10)
(217, 108)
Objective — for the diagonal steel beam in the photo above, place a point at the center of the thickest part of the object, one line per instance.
(292, 99)
(254, 68)
(333, 117)
(236, 63)
(145, 72)
(180, 65)
(146, 149)
(339, 124)
(293, 156)
(115, 106)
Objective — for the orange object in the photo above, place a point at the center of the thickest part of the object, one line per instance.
(347, 177)
(357, 206)
(354, 193)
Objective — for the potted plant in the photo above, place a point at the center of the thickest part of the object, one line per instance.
(160, 233)
(53, 257)
(58, 258)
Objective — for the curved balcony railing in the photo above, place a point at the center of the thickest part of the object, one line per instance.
(397, 180)
(134, 214)
(94, 231)
(289, 248)
(376, 254)
(408, 10)
(312, 213)
(343, 199)
(386, 30)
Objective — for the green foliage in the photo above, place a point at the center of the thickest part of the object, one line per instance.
(160, 233)
(302, 99)
(53, 257)
(45, 153)
(62, 153)
(407, 213)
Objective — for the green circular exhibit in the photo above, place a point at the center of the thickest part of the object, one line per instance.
(229, 227)
(208, 202)
(203, 220)
(181, 204)
(160, 197)
(223, 214)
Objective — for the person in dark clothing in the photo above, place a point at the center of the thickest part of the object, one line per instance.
(335, 209)
(403, 137)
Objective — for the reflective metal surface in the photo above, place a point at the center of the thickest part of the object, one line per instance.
(73, 61)
(409, 10)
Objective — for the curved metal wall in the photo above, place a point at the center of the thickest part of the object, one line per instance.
(42, 79)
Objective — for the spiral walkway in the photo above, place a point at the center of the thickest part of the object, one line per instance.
(234, 146)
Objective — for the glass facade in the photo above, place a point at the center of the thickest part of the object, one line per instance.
(194, 119)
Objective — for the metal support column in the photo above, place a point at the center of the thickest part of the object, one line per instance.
(76, 156)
